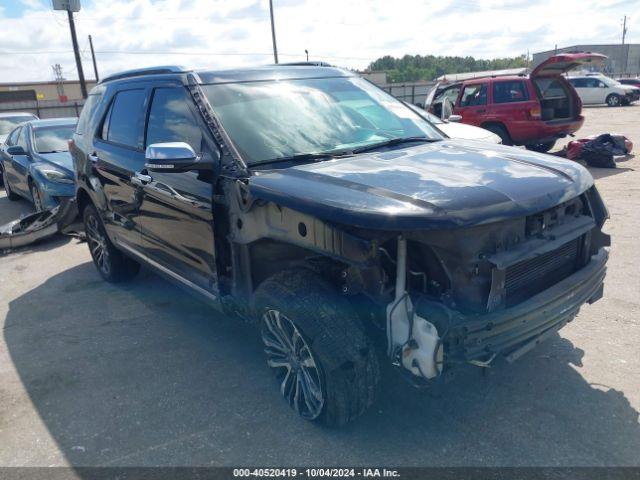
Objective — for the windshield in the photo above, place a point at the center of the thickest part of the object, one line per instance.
(609, 82)
(268, 120)
(53, 139)
(9, 123)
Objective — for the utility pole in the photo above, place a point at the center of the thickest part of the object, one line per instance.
(93, 57)
(273, 33)
(622, 53)
(76, 51)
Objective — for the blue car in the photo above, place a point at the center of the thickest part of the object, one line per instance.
(36, 163)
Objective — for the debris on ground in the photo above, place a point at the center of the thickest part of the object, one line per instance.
(598, 150)
(39, 225)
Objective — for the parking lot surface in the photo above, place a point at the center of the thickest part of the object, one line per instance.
(143, 374)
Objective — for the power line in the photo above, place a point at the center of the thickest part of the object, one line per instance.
(166, 52)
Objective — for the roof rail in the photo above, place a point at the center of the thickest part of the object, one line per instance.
(303, 64)
(137, 72)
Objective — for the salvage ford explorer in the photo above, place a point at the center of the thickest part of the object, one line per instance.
(308, 200)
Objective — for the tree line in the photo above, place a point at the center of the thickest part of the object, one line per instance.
(418, 67)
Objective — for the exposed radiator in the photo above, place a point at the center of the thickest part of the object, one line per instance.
(529, 277)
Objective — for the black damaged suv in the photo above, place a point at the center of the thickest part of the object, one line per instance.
(307, 199)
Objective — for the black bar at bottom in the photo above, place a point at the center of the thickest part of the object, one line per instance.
(426, 473)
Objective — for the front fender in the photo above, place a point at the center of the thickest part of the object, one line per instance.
(51, 191)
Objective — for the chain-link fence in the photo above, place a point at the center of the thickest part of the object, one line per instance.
(415, 92)
(45, 108)
(410, 92)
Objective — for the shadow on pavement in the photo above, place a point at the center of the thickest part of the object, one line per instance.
(143, 374)
(598, 173)
(11, 210)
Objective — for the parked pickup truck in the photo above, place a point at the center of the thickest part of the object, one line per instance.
(308, 200)
(533, 110)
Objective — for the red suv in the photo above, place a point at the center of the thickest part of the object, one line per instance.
(533, 110)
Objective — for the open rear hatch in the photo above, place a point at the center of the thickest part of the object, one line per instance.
(558, 100)
(559, 64)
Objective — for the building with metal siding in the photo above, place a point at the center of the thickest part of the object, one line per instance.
(45, 90)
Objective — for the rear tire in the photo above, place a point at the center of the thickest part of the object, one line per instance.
(501, 132)
(541, 147)
(614, 100)
(111, 263)
(300, 312)
(7, 188)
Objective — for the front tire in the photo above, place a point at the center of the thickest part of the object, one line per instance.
(111, 263)
(36, 197)
(325, 364)
(541, 147)
(501, 132)
(614, 100)
(7, 188)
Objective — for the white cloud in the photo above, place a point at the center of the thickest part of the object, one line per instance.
(225, 33)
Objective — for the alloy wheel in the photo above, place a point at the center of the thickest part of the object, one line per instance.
(98, 245)
(292, 360)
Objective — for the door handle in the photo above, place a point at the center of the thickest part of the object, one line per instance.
(140, 179)
(482, 110)
(93, 158)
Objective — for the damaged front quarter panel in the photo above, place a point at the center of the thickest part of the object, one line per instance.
(252, 221)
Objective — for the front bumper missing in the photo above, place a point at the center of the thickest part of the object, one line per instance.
(480, 338)
(39, 225)
(514, 331)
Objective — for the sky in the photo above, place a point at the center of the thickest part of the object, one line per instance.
(213, 34)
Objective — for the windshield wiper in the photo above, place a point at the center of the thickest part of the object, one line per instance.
(394, 141)
(54, 151)
(303, 157)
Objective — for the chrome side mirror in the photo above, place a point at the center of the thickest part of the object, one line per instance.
(171, 157)
(455, 118)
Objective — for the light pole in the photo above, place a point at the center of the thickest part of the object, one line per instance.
(273, 33)
(93, 58)
(76, 52)
(625, 58)
(71, 6)
(307, 52)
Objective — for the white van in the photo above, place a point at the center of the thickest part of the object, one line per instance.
(599, 89)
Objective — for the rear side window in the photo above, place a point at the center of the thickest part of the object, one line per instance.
(508, 92)
(87, 112)
(125, 119)
(171, 120)
(474, 95)
(578, 82)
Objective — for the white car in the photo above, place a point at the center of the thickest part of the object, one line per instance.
(10, 120)
(452, 129)
(599, 89)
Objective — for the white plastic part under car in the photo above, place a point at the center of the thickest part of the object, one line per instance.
(412, 340)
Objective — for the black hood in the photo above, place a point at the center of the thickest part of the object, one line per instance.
(445, 184)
